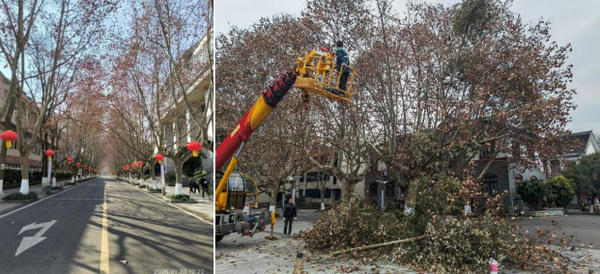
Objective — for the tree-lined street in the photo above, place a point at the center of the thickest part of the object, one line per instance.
(144, 235)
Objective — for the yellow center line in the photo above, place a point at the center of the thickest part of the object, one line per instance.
(104, 263)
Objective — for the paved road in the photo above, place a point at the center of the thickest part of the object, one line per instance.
(141, 234)
(584, 228)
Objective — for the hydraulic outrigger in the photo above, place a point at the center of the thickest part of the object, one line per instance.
(314, 74)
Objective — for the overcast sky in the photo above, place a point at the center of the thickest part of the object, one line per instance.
(576, 22)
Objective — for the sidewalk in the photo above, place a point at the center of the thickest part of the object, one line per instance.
(204, 208)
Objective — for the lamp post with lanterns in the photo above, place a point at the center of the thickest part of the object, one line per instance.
(50, 153)
(140, 166)
(159, 157)
(8, 137)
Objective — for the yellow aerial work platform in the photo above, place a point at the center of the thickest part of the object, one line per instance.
(317, 75)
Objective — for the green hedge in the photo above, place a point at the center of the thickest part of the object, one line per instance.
(180, 197)
(20, 197)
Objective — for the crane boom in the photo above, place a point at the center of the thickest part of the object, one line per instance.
(313, 74)
(254, 117)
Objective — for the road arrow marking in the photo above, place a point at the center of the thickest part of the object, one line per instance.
(28, 242)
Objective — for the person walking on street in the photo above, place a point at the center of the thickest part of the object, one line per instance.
(289, 213)
(204, 183)
(192, 183)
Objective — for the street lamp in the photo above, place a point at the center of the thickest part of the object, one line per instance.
(159, 157)
(140, 165)
(8, 136)
(50, 153)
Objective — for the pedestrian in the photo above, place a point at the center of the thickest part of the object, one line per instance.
(289, 213)
(204, 183)
(192, 183)
(341, 58)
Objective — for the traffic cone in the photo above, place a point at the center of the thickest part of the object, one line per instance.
(493, 265)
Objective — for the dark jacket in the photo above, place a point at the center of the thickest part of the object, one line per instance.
(341, 57)
(204, 182)
(289, 211)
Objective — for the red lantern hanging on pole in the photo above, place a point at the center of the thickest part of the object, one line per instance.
(49, 153)
(69, 160)
(126, 168)
(133, 166)
(159, 157)
(140, 164)
(8, 136)
(78, 164)
(194, 147)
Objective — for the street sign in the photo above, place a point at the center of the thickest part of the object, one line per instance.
(28, 242)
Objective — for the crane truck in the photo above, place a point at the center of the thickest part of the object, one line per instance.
(314, 73)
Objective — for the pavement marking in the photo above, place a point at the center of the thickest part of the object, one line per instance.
(78, 199)
(104, 262)
(189, 213)
(19, 209)
(28, 242)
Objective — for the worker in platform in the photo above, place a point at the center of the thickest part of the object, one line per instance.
(341, 58)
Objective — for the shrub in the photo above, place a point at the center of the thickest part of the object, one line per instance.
(535, 193)
(453, 243)
(63, 176)
(20, 197)
(351, 223)
(142, 186)
(154, 190)
(180, 197)
(561, 191)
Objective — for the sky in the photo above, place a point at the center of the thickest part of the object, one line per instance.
(575, 22)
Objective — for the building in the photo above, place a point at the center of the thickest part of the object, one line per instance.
(180, 127)
(12, 155)
(585, 143)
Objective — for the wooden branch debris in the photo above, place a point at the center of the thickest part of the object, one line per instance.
(379, 245)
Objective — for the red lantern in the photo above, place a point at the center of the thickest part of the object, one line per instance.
(49, 153)
(159, 157)
(140, 164)
(84, 166)
(69, 160)
(89, 169)
(126, 168)
(78, 164)
(194, 147)
(133, 166)
(8, 136)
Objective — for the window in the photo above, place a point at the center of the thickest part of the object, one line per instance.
(489, 184)
(518, 180)
(389, 189)
(373, 189)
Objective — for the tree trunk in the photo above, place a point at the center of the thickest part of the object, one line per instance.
(178, 178)
(273, 199)
(411, 197)
(322, 192)
(346, 188)
(3, 151)
(24, 174)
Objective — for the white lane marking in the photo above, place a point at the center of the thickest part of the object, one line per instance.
(189, 213)
(28, 242)
(19, 209)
